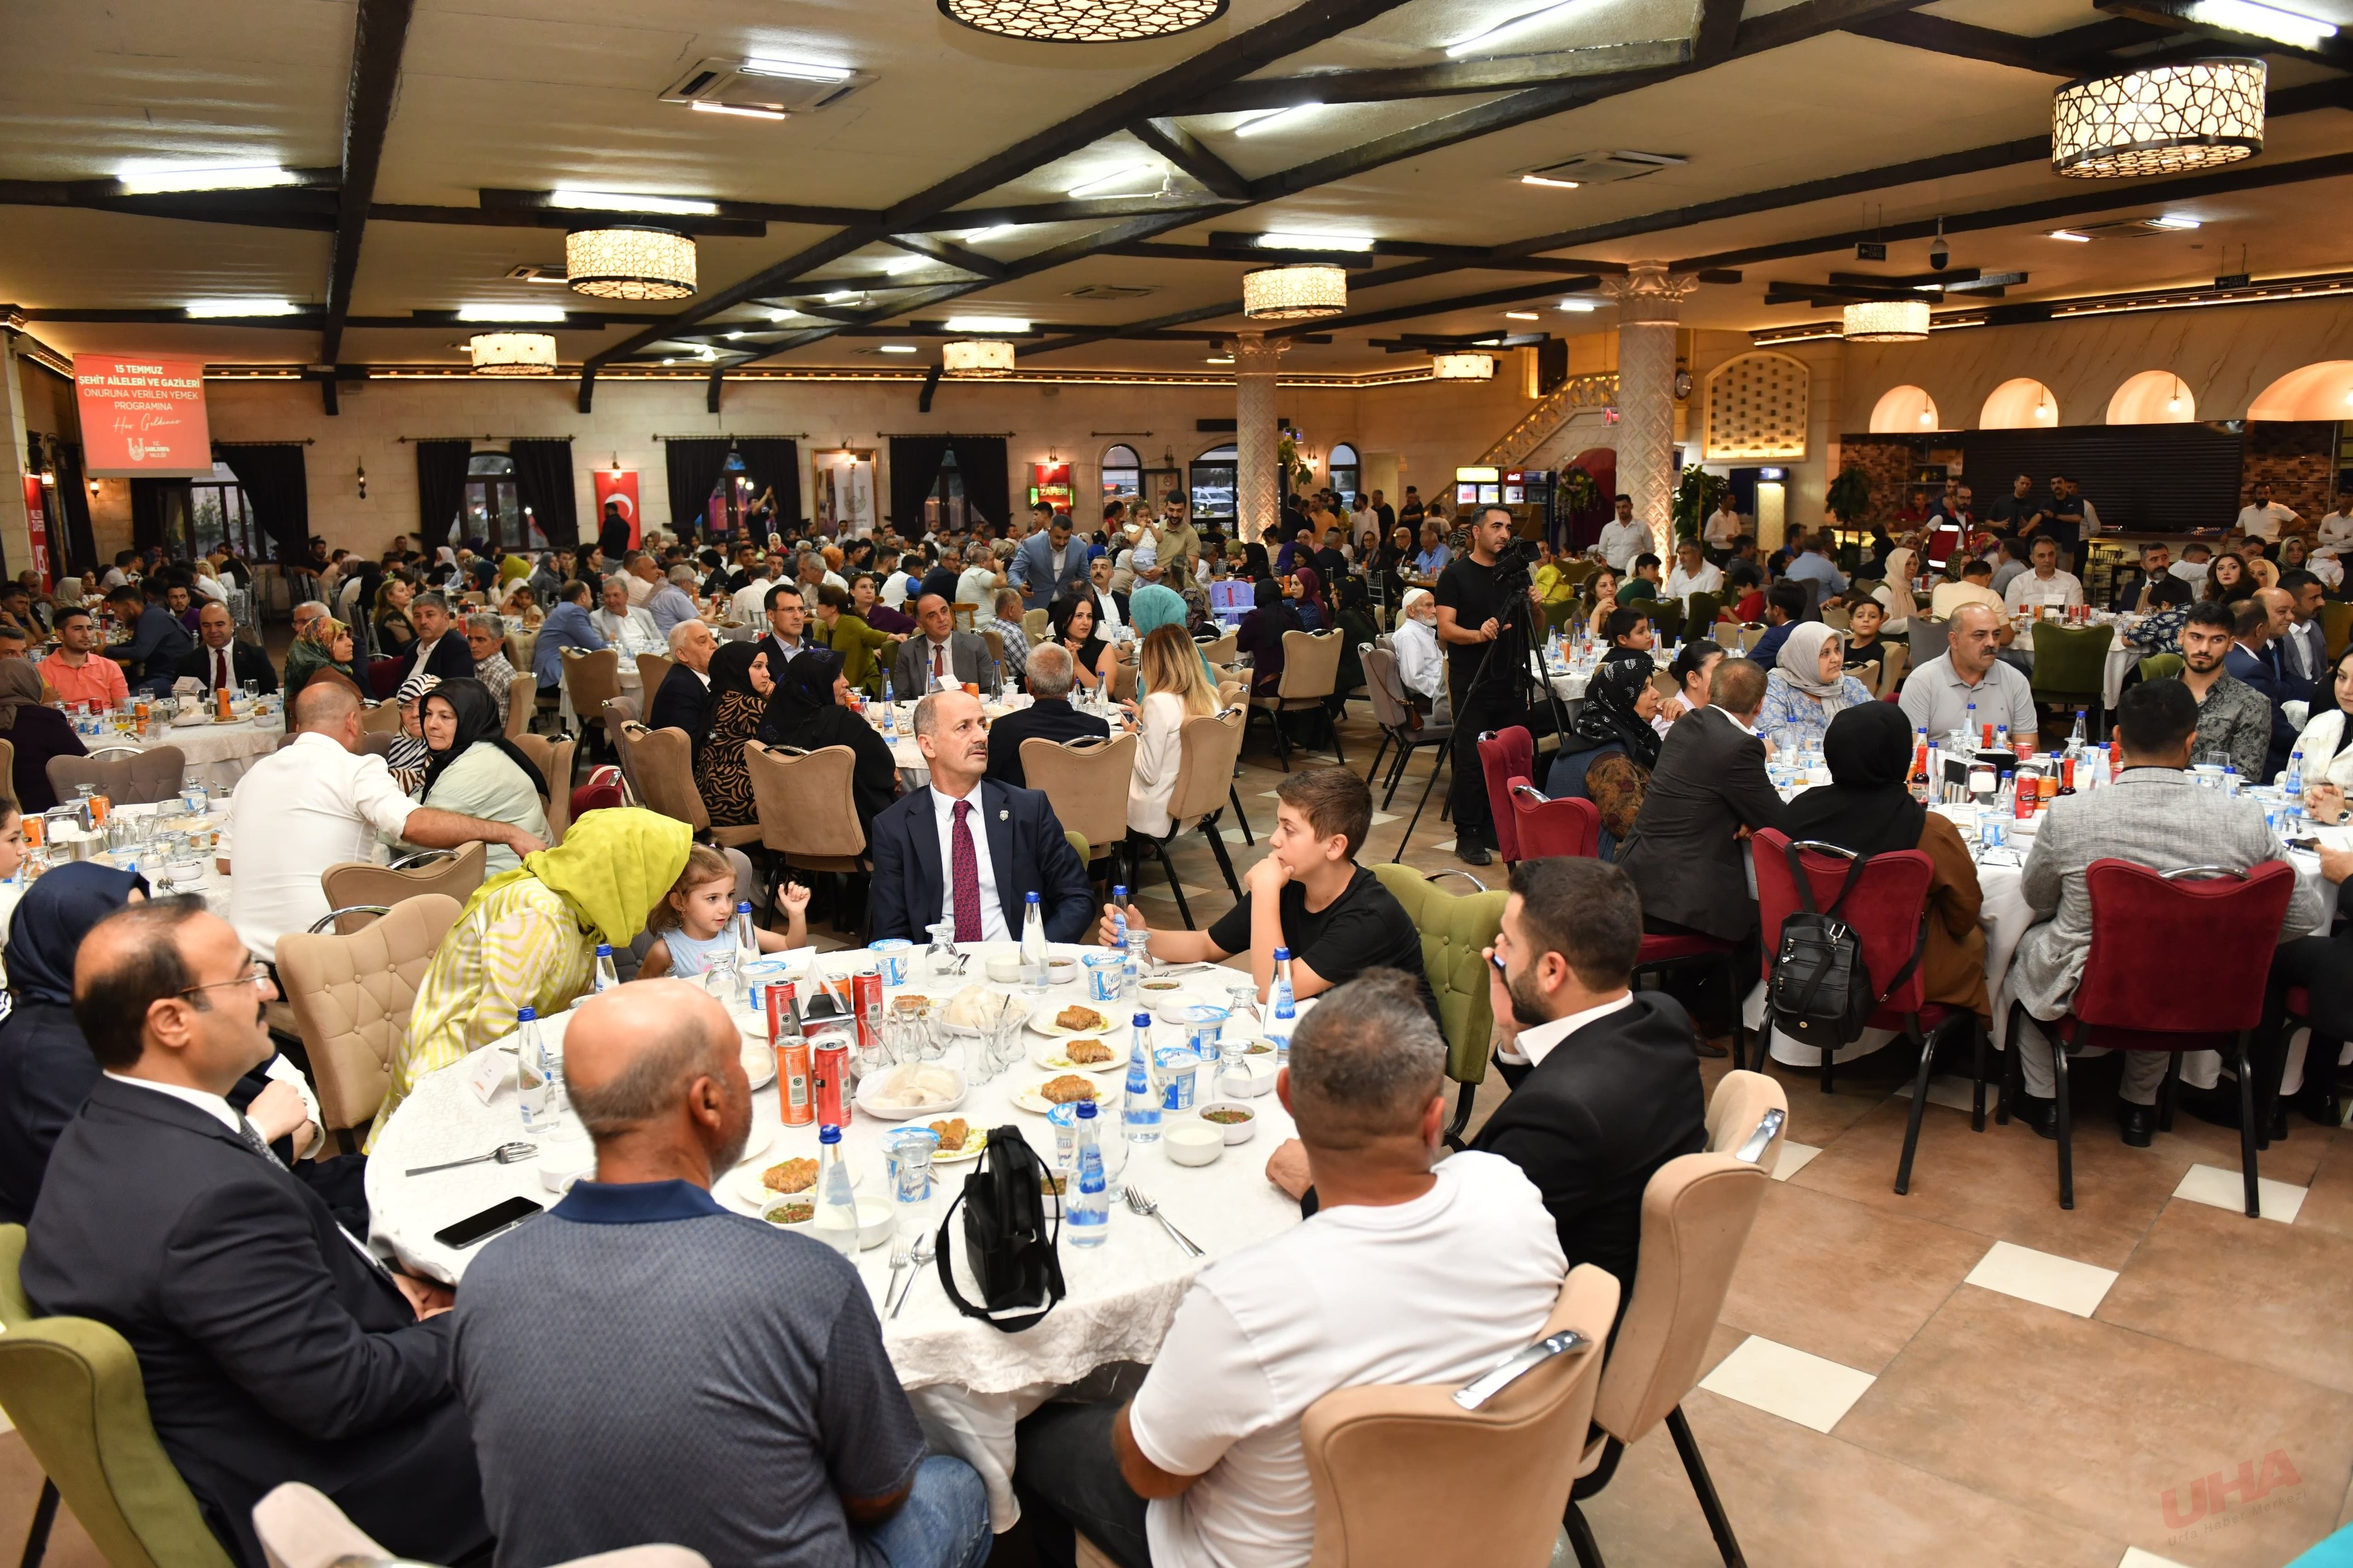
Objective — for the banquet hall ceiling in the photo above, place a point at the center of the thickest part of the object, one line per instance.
(1798, 127)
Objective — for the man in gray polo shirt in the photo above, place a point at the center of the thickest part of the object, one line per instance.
(1937, 694)
(641, 1364)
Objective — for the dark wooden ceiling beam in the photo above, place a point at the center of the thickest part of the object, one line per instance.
(1090, 209)
(506, 199)
(1717, 32)
(1392, 83)
(1185, 150)
(1260, 256)
(1959, 40)
(954, 255)
(380, 33)
(559, 218)
(1426, 308)
(2182, 17)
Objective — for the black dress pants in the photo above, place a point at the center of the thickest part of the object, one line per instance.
(1497, 704)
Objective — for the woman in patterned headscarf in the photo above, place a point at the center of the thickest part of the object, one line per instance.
(1611, 746)
(409, 755)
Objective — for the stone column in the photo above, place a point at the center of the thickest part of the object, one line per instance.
(1257, 488)
(1650, 303)
(16, 525)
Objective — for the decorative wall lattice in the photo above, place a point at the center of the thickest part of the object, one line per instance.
(1756, 407)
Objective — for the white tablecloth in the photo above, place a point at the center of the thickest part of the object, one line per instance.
(211, 881)
(223, 751)
(969, 1383)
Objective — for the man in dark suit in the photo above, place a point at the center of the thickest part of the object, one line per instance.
(1709, 790)
(932, 862)
(1049, 716)
(1050, 561)
(1605, 1083)
(441, 646)
(937, 645)
(2255, 657)
(219, 659)
(684, 694)
(273, 1346)
(612, 533)
(786, 637)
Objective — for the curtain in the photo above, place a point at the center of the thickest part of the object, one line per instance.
(980, 459)
(773, 463)
(546, 485)
(75, 542)
(154, 503)
(277, 488)
(440, 489)
(693, 468)
(914, 465)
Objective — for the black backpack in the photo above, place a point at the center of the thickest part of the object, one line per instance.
(1820, 993)
(1014, 1259)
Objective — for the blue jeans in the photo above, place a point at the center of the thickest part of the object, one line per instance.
(943, 1523)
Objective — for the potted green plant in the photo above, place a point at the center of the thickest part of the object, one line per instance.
(1698, 492)
(1849, 498)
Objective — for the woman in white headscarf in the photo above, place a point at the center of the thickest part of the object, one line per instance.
(1807, 688)
(1895, 592)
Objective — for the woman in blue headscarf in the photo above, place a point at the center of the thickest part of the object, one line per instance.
(1149, 608)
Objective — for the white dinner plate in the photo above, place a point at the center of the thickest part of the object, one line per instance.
(1041, 1019)
(869, 1099)
(1048, 1054)
(1029, 1099)
(759, 1064)
(747, 1186)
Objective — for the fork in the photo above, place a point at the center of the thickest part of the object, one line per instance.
(921, 1259)
(899, 1259)
(1139, 1201)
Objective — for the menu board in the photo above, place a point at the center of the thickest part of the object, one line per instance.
(143, 416)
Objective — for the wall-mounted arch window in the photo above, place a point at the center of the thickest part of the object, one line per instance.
(1122, 475)
(2021, 402)
(2153, 397)
(1903, 411)
(1346, 471)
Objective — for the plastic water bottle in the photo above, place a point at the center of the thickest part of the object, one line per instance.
(1033, 943)
(1280, 1010)
(890, 714)
(2075, 739)
(836, 1221)
(193, 795)
(1087, 1208)
(2295, 781)
(747, 939)
(535, 1075)
(1969, 726)
(1139, 1105)
(606, 977)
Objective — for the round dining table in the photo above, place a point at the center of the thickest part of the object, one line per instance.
(968, 1381)
(221, 753)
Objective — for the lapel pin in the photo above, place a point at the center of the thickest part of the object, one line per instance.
(1003, 814)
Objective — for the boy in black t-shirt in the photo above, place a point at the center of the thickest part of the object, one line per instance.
(1308, 895)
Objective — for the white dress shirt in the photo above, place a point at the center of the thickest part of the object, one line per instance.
(296, 812)
(220, 669)
(1621, 542)
(896, 590)
(992, 911)
(1419, 664)
(1533, 1046)
(1722, 530)
(639, 589)
(1107, 619)
(2263, 521)
(2337, 528)
(2031, 590)
(1708, 579)
(751, 601)
(633, 634)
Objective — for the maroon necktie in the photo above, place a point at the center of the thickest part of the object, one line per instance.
(964, 875)
(220, 668)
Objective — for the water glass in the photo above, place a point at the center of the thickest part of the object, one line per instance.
(907, 1165)
(894, 958)
(1105, 973)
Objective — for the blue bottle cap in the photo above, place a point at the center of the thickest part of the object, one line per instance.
(526, 1016)
(828, 1134)
(604, 950)
(744, 907)
(1119, 892)
(1281, 953)
(1086, 1110)
(1031, 897)
(1142, 1020)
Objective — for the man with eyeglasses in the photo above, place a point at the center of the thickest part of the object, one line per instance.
(273, 1345)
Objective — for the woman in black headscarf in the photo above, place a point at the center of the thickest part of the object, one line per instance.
(1255, 565)
(1866, 808)
(739, 693)
(471, 768)
(1260, 634)
(810, 710)
(1611, 747)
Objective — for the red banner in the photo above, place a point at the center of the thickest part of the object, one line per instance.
(37, 521)
(143, 415)
(618, 486)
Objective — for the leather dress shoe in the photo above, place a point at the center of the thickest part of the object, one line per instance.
(2037, 1113)
(2321, 1105)
(2136, 1123)
(1472, 854)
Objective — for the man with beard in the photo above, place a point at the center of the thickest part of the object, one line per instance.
(1605, 1083)
(2234, 719)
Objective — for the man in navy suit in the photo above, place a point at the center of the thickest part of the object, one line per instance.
(272, 1344)
(1049, 563)
(2255, 658)
(968, 848)
(1050, 715)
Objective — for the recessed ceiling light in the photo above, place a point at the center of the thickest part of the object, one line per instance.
(732, 336)
(1497, 32)
(2263, 21)
(898, 348)
(748, 110)
(975, 235)
(2173, 220)
(839, 296)
(1121, 176)
(905, 264)
(1542, 180)
(1294, 239)
(2071, 236)
(201, 309)
(1520, 316)
(620, 202)
(985, 324)
(1219, 359)
(706, 352)
(782, 315)
(144, 179)
(795, 70)
(511, 312)
(1579, 305)
(670, 362)
(1268, 120)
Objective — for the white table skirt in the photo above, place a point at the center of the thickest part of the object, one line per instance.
(969, 1383)
(223, 752)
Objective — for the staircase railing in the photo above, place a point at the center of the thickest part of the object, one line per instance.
(1552, 411)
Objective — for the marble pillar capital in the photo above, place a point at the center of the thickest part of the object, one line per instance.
(1649, 292)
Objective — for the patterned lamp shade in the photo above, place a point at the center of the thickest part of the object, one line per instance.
(513, 353)
(1463, 367)
(627, 262)
(1294, 293)
(976, 357)
(1887, 321)
(2159, 120)
(1082, 21)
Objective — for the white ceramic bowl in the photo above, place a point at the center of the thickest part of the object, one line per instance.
(565, 1162)
(1235, 1131)
(768, 1209)
(1194, 1143)
(876, 1218)
(1001, 961)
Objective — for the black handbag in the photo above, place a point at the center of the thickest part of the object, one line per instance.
(1013, 1255)
(1820, 993)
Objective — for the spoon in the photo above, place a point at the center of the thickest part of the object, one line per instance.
(921, 1259)
(505, 1154)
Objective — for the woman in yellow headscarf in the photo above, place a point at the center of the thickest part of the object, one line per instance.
(528, 939)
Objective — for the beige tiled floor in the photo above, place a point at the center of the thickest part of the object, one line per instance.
(1965, 1376)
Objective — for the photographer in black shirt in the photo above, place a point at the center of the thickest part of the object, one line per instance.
(1473, 596)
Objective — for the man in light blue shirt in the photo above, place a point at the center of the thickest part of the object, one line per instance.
(1813, 564)
(567, 626)
(673, 601)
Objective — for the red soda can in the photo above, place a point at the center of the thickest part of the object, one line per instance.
(866, 1004)
(830, 1081)
(778, 996)
(795, 1097)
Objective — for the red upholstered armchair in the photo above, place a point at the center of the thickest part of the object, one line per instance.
(1546, 828)
(1504, 756)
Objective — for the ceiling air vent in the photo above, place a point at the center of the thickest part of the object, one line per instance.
(2127, 229)
(777, 87)
(1605, 168)
(534, 272)
(1112, 291)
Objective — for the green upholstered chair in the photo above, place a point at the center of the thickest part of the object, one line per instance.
(1077, 841)
(73, 1389)
(2161, 666)
(1667, 616)
(1559, 614)
(2070, 668)
(1454, 928)
(1700, 611)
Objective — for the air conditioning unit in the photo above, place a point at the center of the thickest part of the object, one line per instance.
(775, 87)
(2124, 229)
(1112, 291)
(1605, 168)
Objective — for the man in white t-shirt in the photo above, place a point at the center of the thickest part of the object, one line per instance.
(2337, 528)
(2261, 519)
(2044, 585)
(1724, 527)
(1407, 1272)
(1622, 538)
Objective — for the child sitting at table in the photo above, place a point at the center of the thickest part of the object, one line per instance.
(696, 917)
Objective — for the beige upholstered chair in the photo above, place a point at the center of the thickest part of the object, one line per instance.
(651, 669)
(1310, 670)
(589, 679)
(352, 995)
(1208, 745)
(300, 1527)
(1696, 1215)
(380, 719)
(665, 760)
(1891, 674)
(1378, 1454)
(1086, 784)
(809, 817)
(1035, 624)
(1220, 652)
(1123, 680)
(128, 778)
(553, 760)
(521, 694)
(455, 873)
